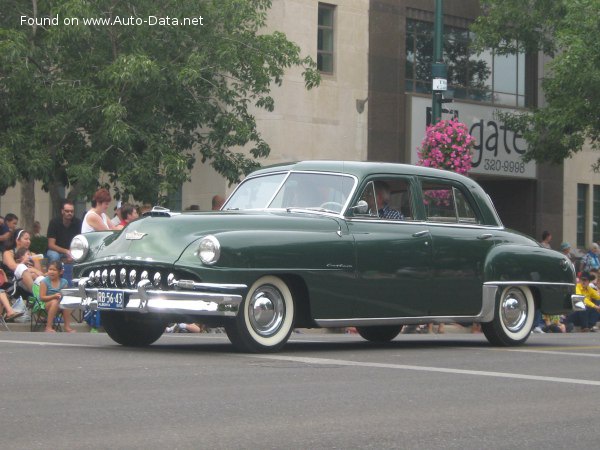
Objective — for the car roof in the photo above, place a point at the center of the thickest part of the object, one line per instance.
(361, 169)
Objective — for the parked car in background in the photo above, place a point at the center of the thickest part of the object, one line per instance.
(324, 244)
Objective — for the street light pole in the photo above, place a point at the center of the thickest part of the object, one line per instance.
(438, 68)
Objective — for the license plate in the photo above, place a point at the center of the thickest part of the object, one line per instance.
(111, 299)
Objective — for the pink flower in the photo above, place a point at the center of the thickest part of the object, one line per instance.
(447, 145)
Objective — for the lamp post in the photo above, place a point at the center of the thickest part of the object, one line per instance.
(438, 68)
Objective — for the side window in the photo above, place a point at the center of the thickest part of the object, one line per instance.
(387, 199)
(446, 203)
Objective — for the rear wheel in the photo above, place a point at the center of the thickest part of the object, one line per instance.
(133, 330)
(513, 317)
(383, 333)
(266, 318)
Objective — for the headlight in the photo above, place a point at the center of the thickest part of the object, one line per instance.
(209, 250)
(79, 247)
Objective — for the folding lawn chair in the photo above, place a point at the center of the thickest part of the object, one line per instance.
(39, 315)
(3, 323)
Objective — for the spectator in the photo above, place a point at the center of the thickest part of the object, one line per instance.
(553, 324)
(6, 308)
(25, 272)
(146, 207)
(128, 214)
(37, 229)
(118, 218)
(185, 328)
(588, 318)
(565, 249)
(18, 262)
(6, 229)
(96, 218)
(61, 231)
(546, 238)
(590, 261)
(217, 202)
(50, 287)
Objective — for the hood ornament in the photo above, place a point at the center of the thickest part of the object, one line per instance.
(134, 235)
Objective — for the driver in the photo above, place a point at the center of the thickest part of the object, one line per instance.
(382, 197)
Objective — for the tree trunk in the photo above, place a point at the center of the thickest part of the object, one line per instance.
(27, 205)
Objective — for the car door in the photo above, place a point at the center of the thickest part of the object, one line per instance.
(393, 256)
(460, 245)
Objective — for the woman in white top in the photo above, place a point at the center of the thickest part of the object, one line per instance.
(33, 270)
(96, 218)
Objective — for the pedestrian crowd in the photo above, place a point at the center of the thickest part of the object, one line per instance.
(588, 270)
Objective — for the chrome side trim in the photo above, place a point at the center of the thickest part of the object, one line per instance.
(143, 299)
(528, 283)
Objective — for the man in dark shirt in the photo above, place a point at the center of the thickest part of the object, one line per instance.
(61, 231)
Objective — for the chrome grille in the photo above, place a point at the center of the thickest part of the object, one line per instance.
(127, 277)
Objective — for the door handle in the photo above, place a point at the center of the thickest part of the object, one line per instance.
(484, 236)
(420, 233)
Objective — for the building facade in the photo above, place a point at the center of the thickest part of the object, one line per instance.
(375, 98)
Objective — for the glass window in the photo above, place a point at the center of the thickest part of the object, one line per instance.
(255, 193)
(582, 193)
(446, 203)
(596, 217)
(318, 191)
(387, 199)
(484, 77)
(325, 38)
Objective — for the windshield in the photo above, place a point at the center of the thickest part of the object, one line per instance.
(319, 191)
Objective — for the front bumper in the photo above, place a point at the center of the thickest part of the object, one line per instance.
(197, 299)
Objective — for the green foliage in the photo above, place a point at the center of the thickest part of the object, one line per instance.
(134, 101)
(570, 31)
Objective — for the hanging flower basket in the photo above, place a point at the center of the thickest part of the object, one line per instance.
(447, 145)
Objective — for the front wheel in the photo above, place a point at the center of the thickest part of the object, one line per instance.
(383, 333)
(513, 317)
(132, 330)
(266, 317)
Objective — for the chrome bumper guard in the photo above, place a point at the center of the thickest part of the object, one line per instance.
(577, 302)
(144, 299)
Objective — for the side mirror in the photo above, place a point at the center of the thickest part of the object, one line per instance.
(361, 207)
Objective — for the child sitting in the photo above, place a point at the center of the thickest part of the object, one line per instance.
(25, 272)
(50, 287)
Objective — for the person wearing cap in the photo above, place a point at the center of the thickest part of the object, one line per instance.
(590, 261)
(565, 249)
(588, 318)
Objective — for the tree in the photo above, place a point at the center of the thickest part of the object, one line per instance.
(567, 30)
(133, 89)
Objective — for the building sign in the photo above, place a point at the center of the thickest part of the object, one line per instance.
(498, 150)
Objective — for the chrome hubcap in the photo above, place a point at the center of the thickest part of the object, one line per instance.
(266, 310)
(514, 310)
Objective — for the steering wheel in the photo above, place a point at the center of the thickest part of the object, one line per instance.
(332, 206)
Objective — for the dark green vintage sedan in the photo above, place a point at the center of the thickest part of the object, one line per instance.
(323, 244)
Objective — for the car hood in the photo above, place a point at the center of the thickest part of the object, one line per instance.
(164, 239)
